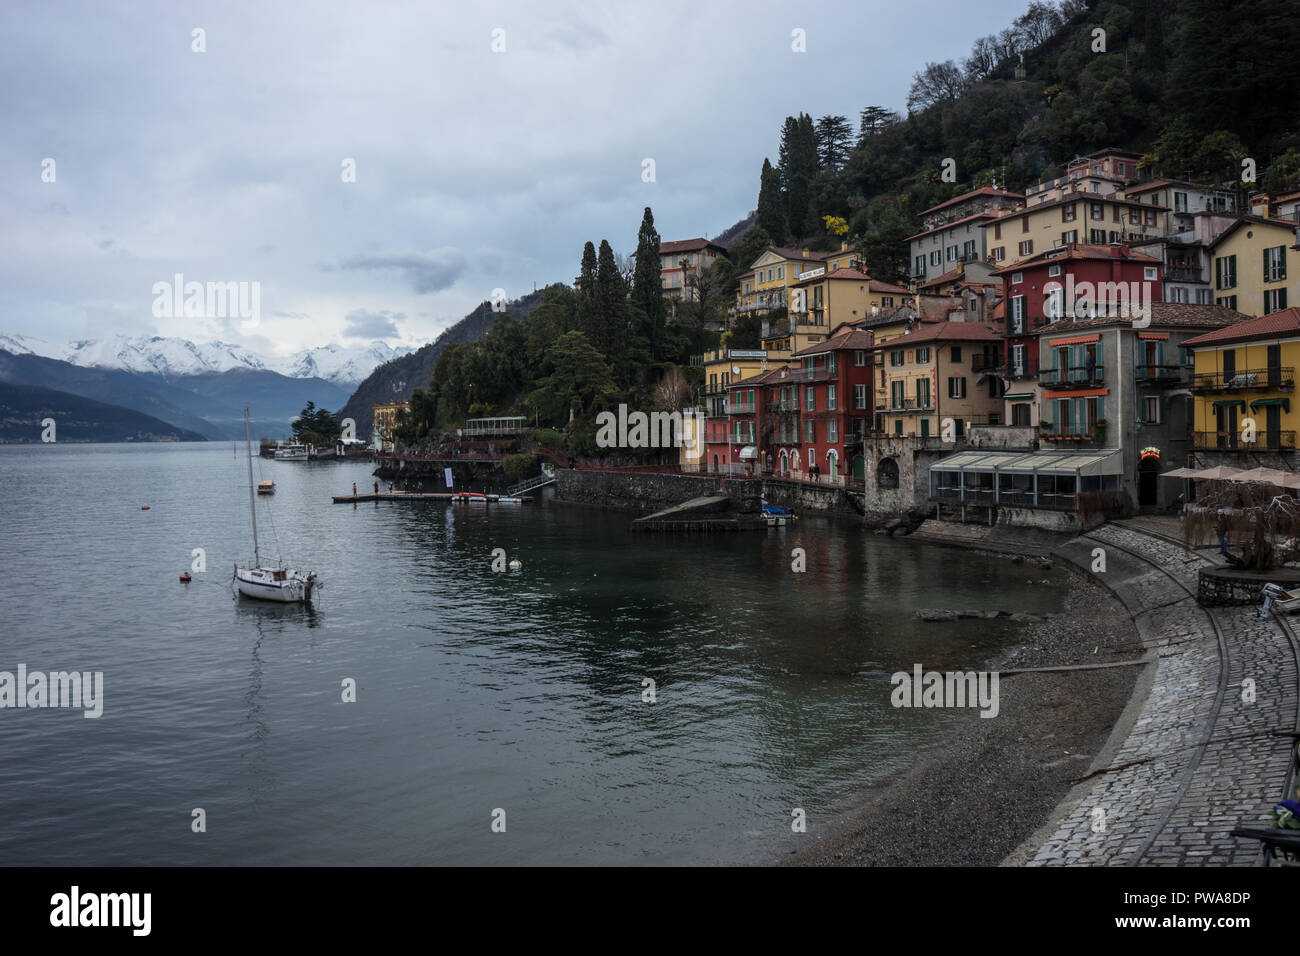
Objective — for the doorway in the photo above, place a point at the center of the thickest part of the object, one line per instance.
(1148, 478)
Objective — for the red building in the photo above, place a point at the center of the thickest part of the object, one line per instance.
(816, 413)
(1072, 281)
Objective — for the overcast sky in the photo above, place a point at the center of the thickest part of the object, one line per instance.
(475, 169)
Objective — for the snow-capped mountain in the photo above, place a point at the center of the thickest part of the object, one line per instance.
(171, 357)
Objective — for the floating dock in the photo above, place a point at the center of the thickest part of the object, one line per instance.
(424, 496)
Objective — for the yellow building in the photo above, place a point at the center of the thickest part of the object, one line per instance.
(1243, 382)
(766, 283)
(827, 297)
(1076, 217)
(1250, 266)
(929, 374)
(385, 420)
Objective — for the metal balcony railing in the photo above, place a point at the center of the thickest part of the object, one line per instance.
(1244, 378)
(1076, 376)
(740, 408)
(818, 374)
(1231, 441)
(1071, 431)
(1161, 374)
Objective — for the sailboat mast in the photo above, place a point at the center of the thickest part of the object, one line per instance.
(252, 500)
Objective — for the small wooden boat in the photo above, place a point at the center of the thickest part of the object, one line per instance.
(266, 487)
(469, 498)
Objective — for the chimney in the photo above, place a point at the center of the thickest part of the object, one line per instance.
(804, 253)
(844, 246)
(1115, 251)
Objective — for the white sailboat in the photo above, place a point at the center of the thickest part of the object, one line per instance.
(269, 584)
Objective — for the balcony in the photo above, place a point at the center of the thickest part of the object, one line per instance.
(909, 405)
(1090, 436)
(1076, 376)
(801, 320)
(818, 374)
(1231, 441)
(986, 363)
(1163, 376)
(1179, 273)
(1274, 378)
(740, 408)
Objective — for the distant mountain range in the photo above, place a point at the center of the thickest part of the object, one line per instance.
(171, 357)
(24, 408)
(395, 380)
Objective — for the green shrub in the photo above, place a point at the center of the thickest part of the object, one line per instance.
(519, 467)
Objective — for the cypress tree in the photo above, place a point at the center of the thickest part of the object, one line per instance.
(647, 287)
(611, 306)
(588, 314)
(771, 213)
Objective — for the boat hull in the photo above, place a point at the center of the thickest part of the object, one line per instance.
(260, 585)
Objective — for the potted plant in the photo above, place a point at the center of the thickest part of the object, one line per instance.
(1099, 430)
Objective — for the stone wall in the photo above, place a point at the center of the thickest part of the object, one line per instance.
(800, 496)
(645, 494)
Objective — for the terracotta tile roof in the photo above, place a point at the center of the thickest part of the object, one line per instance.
(955, 222)
(847, 339)
(1253, 220)
(686, 245)
(947, 277)
(1077, 251)
(876, 285)
(759, 379)
(1284, 323)
(1081, 197)
(790, 253)
(946, 332)
(1164, 315)
(982, 191)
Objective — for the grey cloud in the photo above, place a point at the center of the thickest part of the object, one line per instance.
(426, 271)
(372, 325)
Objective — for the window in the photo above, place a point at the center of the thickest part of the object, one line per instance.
(1225, 272)
(1068, 212)
(922, 393)
(833, 430)
(859, 357)
(896, 357)
(1152, 410)
(1180, 202)
(859, 397)
(1275, 264)
(1024, 223)
(956, 354)
(1202, 296)
(1017, 363)
(898, 426)
(1020, 414)
(997, 230)
(1149, 217)
(1054, 304)
(1017, 278)
(919, 268)
(1122, 168)
(1134, 216)
(1054, 270)
(1097, 210)
(896, 395)
(810, 398)
(1018, 324)
(936, 257)
(923, 355)
(780, 272)
(1070, 238)
(1097, 237)
(957, 387)
(1027, 247)
(952, 253)
(968, 249)
(887, 301)
(809, 434)
(832, 399)
(999, 254)
(1227, 301)
(1274, 299)
(1149, 273)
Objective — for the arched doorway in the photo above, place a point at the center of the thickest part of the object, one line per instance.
(833, 464)
(860, 467)
(1148, 481)
(715, 464)
(887, 473)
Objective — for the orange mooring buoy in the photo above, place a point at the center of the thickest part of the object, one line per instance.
(144, 507)
(185, 576)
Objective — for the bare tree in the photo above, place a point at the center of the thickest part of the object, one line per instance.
(983, 59)
(673, 391)
(937, 83)
(1038, 23)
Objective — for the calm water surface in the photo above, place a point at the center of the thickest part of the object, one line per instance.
(475, 690)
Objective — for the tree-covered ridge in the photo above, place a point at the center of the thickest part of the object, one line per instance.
(1196, 86)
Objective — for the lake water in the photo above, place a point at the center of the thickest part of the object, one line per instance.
(476, 690)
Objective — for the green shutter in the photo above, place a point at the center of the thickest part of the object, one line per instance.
(1266, 258)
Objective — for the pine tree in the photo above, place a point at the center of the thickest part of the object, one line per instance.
(647, 287)
(834, 136)
(771, 212)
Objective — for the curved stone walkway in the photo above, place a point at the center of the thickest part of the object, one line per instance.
(1202, 755)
